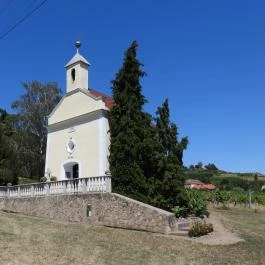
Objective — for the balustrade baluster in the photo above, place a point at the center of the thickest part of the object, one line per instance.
(67, 184)
(71, 186)
(24, 191)
(89, 185)
(84, 183)
(98, 185)
(103, 189)
(92, 184)
(59, 187)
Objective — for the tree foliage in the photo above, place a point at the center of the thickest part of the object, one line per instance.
(32, 108)
(129, 126)
(145, 158)
(212, 167)
(169, 184)
(8, 149)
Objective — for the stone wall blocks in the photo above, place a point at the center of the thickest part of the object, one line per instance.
(107, 209)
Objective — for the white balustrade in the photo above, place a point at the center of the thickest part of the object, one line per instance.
(71, 186)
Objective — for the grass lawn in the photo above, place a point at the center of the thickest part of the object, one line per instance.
(26, 181)
(28, 241)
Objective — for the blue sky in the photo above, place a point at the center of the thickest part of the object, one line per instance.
(207, 57)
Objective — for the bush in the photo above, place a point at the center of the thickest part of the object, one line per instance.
(53, 178)
(223, 196)
(259, 197)
(180, 211)
(43, 179)
(196, 205)
(200, 229)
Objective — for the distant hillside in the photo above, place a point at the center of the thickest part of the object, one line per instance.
(248, 176)
(226, 180)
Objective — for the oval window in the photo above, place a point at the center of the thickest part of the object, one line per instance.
(70, 147)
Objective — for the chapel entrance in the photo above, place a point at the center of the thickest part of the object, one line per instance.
(71, 170)
(75, 171)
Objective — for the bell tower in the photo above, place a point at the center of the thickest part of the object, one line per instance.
(77, 71)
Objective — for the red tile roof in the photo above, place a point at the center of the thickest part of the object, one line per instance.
(109, 102)
(205, 187)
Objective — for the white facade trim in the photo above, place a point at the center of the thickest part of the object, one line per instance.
(79, 120)
(102, 145)
(47, 154)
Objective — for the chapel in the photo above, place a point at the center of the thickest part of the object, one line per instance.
(78, 130)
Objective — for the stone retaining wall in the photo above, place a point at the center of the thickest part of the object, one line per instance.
(108, 209)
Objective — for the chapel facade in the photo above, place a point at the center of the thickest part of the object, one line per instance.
(78, 130)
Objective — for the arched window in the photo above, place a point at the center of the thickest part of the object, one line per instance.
(73, 74)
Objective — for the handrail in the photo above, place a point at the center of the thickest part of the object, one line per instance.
(71, 186)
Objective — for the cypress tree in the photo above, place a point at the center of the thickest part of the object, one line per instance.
(169, 180)
(130, 130)
(145, 159)
(9, 170)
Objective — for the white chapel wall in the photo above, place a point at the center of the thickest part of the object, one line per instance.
(104, 142)
(86, 138)
(75, 105)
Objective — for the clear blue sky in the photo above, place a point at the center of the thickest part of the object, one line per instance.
(207, 57)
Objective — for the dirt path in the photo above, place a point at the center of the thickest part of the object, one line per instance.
(220, 236)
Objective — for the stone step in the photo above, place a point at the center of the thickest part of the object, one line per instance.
(179, 233)
(184, 226)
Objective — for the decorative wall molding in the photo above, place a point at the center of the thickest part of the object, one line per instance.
(85, 118)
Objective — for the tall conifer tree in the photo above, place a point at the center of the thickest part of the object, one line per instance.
(169, 180)
(145, 159)
(130, 130)
(9, 168)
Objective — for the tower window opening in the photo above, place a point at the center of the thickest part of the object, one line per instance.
(73, 74)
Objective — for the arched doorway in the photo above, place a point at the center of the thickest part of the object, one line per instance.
(71, 170)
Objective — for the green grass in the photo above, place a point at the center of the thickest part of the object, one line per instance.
(246, 176)
(27, 241)
(26, 181)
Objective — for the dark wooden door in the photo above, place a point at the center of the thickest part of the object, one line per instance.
(75, 171)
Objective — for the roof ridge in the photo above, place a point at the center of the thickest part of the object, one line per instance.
(77, 58)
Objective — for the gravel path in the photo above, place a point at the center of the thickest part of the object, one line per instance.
(220, 235)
